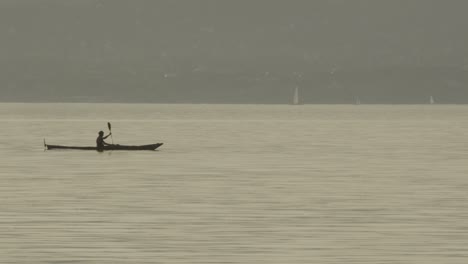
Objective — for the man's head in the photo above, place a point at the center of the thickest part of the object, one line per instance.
(101, 133)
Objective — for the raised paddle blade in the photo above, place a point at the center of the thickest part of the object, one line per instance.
(110, 130)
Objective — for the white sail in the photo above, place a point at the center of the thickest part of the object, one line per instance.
(357, 101)
(296, 96)
(431, 100)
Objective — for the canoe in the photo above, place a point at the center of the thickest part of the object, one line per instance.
(110, 147)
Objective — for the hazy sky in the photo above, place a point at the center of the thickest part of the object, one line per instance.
(165, 37)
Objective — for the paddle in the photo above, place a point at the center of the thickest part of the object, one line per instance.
(110, 130)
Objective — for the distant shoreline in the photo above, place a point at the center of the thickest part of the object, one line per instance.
(219, 103)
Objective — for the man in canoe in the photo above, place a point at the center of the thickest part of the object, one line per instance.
(100, 143)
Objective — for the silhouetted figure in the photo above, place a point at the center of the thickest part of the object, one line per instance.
(100, 143)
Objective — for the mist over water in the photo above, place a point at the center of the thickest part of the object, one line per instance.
(235, 184)
(243, 51)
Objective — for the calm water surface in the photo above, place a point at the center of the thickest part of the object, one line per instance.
(235, 184)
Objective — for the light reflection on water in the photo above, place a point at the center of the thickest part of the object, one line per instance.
(235, 184)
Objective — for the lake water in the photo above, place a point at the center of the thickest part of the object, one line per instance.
(235, 184)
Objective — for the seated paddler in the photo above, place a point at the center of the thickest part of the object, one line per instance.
(100, 143)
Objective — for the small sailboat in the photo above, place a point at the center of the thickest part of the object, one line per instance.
(431, 100)
(357, 101)
(296, 97)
